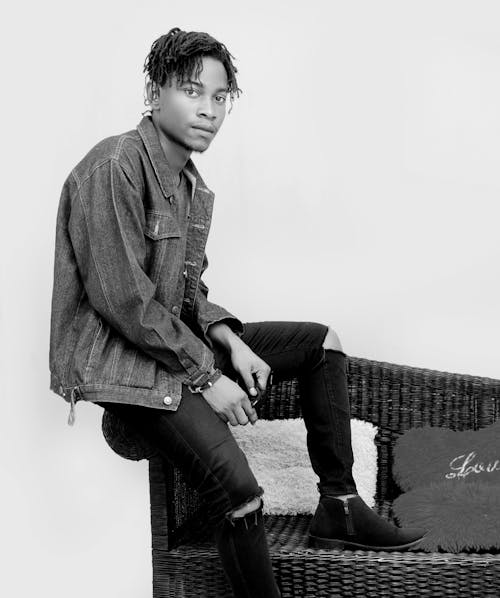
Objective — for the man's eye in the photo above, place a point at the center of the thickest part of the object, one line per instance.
(192, 93)
(220, 99)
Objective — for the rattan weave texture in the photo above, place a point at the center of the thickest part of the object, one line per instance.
(395, 398)
(307, 572)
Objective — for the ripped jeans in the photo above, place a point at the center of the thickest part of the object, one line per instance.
(199, 443)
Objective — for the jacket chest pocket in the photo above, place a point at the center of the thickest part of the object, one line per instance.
(163, 237)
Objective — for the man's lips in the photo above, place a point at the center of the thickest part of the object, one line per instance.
(205, 128)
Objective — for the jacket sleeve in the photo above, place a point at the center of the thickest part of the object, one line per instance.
(106, 227)
(207, 313)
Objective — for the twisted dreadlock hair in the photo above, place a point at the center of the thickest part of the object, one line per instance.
(179, 54)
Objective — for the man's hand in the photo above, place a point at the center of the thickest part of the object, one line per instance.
(250, 367)
(246, 363)
(230, 402)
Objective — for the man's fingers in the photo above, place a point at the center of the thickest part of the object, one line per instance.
(262, 377)
(240, 416)
(232, 419)
(249, 383)
(249, 410)
(253, 417)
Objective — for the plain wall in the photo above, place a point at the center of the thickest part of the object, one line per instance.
(357, 185)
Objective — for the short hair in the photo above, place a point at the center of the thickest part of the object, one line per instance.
(179, 54)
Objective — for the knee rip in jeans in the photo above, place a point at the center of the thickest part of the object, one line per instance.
(247, 511)
(332, 340)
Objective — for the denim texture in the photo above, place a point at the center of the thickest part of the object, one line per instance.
(200, 444)
(327, 415)
(129, 309)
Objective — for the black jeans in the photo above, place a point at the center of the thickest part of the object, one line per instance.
(198, 442)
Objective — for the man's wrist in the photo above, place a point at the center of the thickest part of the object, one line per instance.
(207, 383)
(222, 334)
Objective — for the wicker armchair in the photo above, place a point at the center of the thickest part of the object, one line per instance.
(395, 398)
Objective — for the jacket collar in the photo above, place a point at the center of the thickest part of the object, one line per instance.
(162, 170)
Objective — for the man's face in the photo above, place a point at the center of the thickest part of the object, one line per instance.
(189, 113)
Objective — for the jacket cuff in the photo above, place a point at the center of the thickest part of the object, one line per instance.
(196, 376)
(233, 323)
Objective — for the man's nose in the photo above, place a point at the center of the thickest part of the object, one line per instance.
(206, 108)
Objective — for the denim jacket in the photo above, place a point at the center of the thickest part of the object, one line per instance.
(129, 309)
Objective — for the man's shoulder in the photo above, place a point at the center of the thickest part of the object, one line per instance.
(126, 148)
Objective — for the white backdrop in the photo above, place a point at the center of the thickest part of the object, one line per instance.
(356, 183)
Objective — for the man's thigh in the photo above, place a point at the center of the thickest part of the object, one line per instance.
(289, 348)
(194, 439)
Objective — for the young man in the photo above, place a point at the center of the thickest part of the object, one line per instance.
(133, 330)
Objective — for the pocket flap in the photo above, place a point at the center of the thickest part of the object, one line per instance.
(161, 226)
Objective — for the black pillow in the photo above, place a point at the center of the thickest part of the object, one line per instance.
(453, 487)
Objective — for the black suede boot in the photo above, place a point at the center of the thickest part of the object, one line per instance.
(350, 523)
(244, 552)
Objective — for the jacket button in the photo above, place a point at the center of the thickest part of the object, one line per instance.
(175, 310)
(167, 400)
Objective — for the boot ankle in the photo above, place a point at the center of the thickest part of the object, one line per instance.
(340, 496)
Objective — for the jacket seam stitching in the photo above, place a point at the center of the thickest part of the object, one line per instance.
(88, 365)
(71, 359)
(119, 146)
(103, 287)
(80, 182)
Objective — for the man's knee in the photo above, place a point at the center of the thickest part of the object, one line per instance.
(332, 340)
(252, 505)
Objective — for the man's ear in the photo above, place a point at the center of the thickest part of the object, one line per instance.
(152, 94)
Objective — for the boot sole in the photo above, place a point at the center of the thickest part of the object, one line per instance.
(315, 542)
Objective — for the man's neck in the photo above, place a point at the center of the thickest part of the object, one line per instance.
(176, 155)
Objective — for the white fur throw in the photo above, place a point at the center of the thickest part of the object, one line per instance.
(277, 454)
